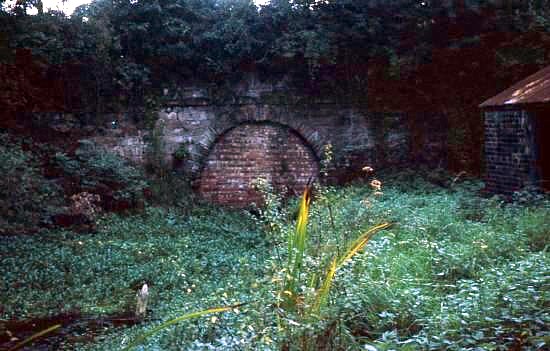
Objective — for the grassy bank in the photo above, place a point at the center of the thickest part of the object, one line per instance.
(455, 271)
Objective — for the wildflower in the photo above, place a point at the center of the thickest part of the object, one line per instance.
(376, 184)
(86, 204)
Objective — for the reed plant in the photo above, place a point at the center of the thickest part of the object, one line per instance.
(197, 314)
(294, 300)
(305, 290)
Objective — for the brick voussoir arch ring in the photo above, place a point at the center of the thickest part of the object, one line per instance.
(309, 136)
(235, 156)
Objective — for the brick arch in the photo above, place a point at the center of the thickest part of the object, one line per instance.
(229, 120)
(251, 150)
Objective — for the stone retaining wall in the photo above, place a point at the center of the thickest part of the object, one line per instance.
(194, 122)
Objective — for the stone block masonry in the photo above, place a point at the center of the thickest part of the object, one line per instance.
(302, 131)
(268, 131)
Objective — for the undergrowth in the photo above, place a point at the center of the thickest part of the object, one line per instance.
(27, 198)
(455, 272)
(95, 170)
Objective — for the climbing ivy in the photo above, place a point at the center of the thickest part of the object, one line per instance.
(400, 55)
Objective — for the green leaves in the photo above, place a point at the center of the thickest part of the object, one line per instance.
(27, 198)
(297, 244)
(298, 247)
(171, 322)
(338, 261)
(93, 167)
(435, 280)
(117, 52)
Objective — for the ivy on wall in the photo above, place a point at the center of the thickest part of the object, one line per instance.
(121, 55)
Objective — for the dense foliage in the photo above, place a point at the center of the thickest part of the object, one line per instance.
(39, 182)
(93, 169)
(433, 56)
(125, 48)
(455, 272)
(27, 198)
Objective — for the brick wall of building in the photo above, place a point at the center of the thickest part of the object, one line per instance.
(509, 150)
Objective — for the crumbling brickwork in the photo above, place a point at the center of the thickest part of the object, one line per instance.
(202, 137)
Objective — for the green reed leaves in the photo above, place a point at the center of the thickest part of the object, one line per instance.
(140, 339)
(297, 249)
(33, 337)
(297, 241)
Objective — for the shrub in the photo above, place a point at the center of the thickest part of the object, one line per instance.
(27, 198)
(95, 170)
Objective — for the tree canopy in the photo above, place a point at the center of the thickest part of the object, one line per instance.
(126, 47)
(410, 55)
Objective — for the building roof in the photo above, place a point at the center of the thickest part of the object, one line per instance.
(533, 89)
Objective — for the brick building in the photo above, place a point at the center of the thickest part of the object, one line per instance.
(517, 135)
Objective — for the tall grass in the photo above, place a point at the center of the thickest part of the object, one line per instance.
(292, 295)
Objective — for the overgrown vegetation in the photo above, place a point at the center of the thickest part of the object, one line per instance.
(41, 185)
(96, 170)
(27, 198)
(421, 57)
(456, 271)
(169, 185)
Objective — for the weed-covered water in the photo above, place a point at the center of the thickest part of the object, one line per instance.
(455, 271)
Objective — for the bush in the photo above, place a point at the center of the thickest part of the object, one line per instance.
(27, 198)
(95, 170)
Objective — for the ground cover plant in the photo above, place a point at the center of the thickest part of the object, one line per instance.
(454, 272)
